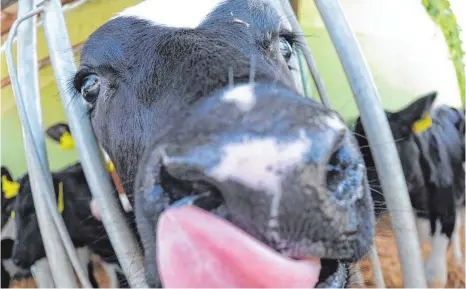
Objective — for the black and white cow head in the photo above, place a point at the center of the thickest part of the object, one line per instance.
(195, 103)
(401, 124)
(29, 246)
(73, 198)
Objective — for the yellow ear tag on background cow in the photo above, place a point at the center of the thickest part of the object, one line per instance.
(60, 203)
(422, 124)
(66, 141)
(110, 167)
(10, 188)
(12, 215)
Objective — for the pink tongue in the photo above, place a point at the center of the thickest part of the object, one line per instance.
(198, 249)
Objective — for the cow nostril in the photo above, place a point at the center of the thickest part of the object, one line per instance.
(344, 174)
(194, 192)
(208, 200)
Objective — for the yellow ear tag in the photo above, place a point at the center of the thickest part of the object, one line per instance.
(10, 188)
(66, 141)
(110, 167)
(60, 203)
(12, 215)
(422, 124)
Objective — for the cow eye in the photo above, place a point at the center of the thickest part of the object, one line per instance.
(90, 88)
(285, 49)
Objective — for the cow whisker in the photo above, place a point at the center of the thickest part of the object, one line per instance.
(252, 70)
(230, 77)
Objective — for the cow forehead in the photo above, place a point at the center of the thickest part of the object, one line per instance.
(172, 13)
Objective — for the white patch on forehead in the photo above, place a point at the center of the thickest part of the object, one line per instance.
(172, 13)
(260, 164)
(243, 96)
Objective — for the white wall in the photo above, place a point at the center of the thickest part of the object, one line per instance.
(405, 45)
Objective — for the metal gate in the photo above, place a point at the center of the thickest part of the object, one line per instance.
(59, 249)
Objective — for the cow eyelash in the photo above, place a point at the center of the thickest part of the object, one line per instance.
(291, 37)
(74, 84)
(79, 78)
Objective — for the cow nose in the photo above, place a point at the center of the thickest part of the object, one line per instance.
(271, 162)
(344, 170)
(260, 153)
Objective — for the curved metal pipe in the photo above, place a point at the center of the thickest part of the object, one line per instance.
(63, 64)
(42, 191)
(380, 139)
(311, 63)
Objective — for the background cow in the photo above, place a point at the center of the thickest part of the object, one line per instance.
(197, 106)
(431, 145)
(9, 192)
(86, 232)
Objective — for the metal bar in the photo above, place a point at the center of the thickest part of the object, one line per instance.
(304, 75)
(288, 10)
(63, 64)
(297, 73)
(380, 139)
(42, 274)
(26, 45)
(378, 275)
(34, 141)
(31, 100)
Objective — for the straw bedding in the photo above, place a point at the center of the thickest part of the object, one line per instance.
(391, 267)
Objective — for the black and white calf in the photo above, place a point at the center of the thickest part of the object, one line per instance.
(226, 164)
(431, 146)
(9, 270)
(87, 233)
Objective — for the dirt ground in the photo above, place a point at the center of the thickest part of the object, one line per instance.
(388, 255)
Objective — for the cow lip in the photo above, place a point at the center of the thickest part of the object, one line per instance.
(333, 273)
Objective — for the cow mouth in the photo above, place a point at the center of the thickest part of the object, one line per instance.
(212, 252)
(196, 230)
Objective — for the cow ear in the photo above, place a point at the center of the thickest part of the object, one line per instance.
(10, 188)
(6, 173)
(416, 116)
(61, 133)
